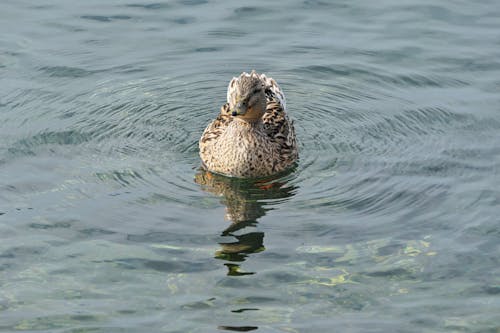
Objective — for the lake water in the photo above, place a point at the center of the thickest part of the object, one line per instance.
(390, 223)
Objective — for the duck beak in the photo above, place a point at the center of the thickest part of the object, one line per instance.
(239, 110)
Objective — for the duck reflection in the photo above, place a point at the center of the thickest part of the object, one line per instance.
(246, 201)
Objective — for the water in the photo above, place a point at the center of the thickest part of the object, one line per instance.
(389, 223)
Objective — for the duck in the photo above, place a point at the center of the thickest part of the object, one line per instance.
(252, 136)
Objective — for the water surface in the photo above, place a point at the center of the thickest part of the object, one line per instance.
(389, 223)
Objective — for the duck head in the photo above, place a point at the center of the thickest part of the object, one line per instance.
(247, 98)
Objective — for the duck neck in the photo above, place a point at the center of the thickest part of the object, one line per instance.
(249, 123)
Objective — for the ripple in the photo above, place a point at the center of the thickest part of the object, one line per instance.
(376, 76)
(149, 6)
(249, 10)
(193, 2)
(142, 117)
(184, 20)
(126, 178)
(170, 266)
(100, 18)
(127, 133)
(149, 123)
(71, 137)
(317, 4)
(227, 33)
(367, 152)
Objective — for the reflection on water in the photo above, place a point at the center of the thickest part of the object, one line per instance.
(246, 201)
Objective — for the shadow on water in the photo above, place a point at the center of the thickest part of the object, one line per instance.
(246, 201)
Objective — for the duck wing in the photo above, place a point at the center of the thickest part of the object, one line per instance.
(216, 127)
(276, 123)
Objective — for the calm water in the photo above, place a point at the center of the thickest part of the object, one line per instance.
(389, 224)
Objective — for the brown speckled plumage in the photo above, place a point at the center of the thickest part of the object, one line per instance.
(244, 145)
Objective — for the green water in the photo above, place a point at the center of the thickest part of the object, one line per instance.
(390, 223)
